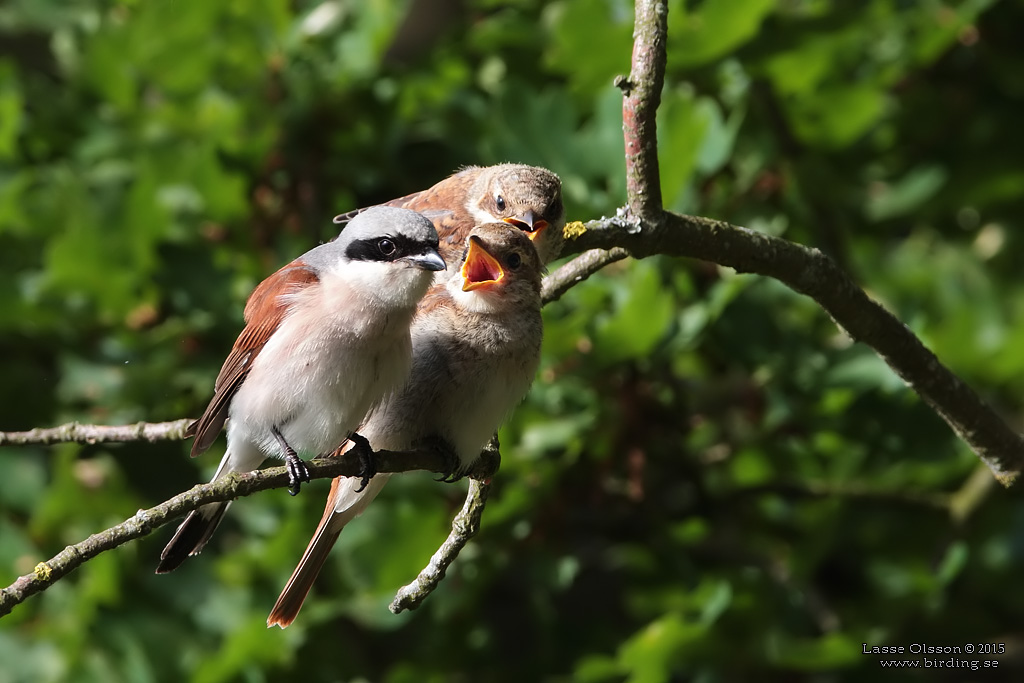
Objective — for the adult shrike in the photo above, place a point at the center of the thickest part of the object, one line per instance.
(326, 338)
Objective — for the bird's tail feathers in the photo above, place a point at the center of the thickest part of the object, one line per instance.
(191, 536)
(343, 505)
(195, 532)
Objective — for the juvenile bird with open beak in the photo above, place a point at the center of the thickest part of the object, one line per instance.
(326, 337)
(476, 347)
(528, 197)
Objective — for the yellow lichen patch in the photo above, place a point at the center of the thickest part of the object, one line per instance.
(573, 229)
(42, 571)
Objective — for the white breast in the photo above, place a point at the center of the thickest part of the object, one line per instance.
(332, 358)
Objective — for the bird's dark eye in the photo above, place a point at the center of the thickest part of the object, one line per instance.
(500, 202)
(386, 246)
(514, 261)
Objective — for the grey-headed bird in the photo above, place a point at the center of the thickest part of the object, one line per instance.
(476, 347)
(326, 338)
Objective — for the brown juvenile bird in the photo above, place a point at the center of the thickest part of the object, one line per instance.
(476, 346)
(527, 197)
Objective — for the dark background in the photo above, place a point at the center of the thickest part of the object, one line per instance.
(708, 482)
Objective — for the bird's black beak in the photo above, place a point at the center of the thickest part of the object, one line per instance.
(429, 260)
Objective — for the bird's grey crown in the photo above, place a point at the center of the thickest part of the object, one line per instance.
(405, 227)
(384, 221)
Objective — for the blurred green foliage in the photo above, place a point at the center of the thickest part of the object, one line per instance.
(708, 482)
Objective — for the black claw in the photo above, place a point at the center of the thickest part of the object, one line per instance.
(450, 478)
(367, 460)
(297, 471)
(452, 463)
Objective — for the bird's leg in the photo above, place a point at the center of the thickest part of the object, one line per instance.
(297, 472)
(489, 460)
(452, 471)
(367, 460)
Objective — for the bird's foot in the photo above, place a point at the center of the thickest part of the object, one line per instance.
(367, 459)
(487, 464)
(297, 470)
(453, 470)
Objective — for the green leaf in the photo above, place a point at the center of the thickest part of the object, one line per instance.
(864, 370)
(953, 563)
(651, 656)
(827, 653)
(682, 125)
(799, 71)
(639, 318)
(11, 106)
(715, 29)
(905, 195)
(590, 43)
(835, 116)
(598, 669)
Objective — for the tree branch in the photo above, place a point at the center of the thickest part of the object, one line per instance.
(464, 527)
(228, 488)
(641, 97)
(808, 271)
(576, 271)
(74, 432)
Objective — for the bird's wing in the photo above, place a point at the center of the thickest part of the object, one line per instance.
(435, 298)
(442, 204)
(263, 314)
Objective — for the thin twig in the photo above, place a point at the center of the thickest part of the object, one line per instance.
(814, 274)
(464, 527)
(228, 488)
(576, 271)
(74, 432)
